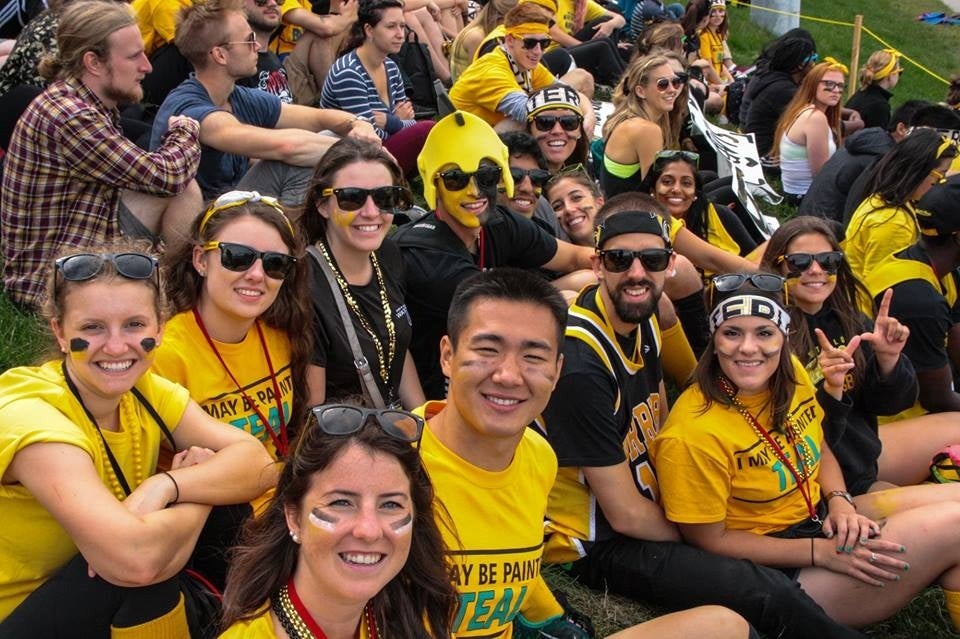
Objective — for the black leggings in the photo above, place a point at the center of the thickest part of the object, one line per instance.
(71, 604)
(601, 58)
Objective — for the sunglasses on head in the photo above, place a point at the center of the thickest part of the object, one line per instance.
(665, 156)
(797, 263)
(344, 419)
(767, 282)
(239, 257)
(545, 123)
(531, 43)
(538, 177)
(386, 198)
(653, 260)
(486, 177)
(86, 266)
(676, 82)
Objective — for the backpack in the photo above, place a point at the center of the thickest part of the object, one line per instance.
(420, 81)
(731, 105)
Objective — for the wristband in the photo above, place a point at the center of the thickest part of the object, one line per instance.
(841, 493)
(176, 487)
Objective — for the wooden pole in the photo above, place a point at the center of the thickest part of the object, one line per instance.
(855, 56)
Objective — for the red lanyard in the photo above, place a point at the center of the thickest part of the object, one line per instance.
(280, 443)
(311, 624)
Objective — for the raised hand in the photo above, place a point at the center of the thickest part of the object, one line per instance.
(835, 362)
(888, 337)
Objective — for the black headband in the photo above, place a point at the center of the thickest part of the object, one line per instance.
(632, 222)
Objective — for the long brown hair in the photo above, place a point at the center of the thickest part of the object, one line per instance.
(781, 384)
(420, 595)
(805, 97)
(83, 27)
(290, 313)
(627, 104)
(842, 302)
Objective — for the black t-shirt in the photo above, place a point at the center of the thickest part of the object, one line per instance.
(270, 77)
(332, 349)
(436, 260)
(925, 311)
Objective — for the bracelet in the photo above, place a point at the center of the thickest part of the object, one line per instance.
(813, 563)
(176, 487)
(841, 493)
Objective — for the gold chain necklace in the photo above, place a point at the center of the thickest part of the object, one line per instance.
(297, 622)
(361, 316)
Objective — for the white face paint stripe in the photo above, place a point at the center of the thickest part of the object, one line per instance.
(322, 521)
(403, 526)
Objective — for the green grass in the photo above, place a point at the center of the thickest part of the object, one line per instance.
(23, 338)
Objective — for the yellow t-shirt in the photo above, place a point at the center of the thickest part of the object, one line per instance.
(261, 627)
(875, 232)
(498, 542)
(157, 20)
(36, 407)
(487, 81)
(185, 357)
(565, 12)
(713, 49)
(713, 467)
(290, 33)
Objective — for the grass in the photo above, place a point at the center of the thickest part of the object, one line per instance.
(24, 340)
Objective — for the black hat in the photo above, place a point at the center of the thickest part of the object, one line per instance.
(938, 212)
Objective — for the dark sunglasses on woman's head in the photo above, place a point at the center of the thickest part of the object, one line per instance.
(768, 282)
(797, 263)
(239, 257)
(545, 123)
(665, 156)
(676, 82)
(81, 267)
(344, 419)
(530, 43)
(538, 177)
(487, 177)
(653, 260)
(387, 198)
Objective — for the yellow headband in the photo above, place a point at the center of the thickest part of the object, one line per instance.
(890, 66)
(944, 145)
(527, 28)
(233, 199)
(836, 64)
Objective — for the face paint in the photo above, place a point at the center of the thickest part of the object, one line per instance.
(148, 344)
(78, 345)
(323, 520)
(404, 525)
(343, 219)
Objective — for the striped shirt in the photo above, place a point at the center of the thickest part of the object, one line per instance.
(64, 172)
(349, 87)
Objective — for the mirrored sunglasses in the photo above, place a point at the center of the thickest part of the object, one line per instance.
(676, 82)
(239, 257)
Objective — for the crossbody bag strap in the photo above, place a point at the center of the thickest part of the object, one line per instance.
(367, 382)
(156, 417)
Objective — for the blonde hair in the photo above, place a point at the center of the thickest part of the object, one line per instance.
(201, 26)
(627, 104)
(876, 63)
(83, 27)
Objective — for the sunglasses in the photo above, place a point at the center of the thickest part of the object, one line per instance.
(344, 419)
(239, 257)
(386, 198)
(831, 85)
(767, 282)
(261, 3)
(676, 82)
(545, 123)
(666, 156)
(653, 260)
(531, 43)
(85, 266)
(538, 177)
(797, 263)
(251, 40)
(486, 177)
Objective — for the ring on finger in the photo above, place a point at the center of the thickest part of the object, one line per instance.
(873, 557)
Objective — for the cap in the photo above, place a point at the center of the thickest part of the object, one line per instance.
(463, 139)
(718, 3)
(631, 222)
(555, 96)
(938, 212)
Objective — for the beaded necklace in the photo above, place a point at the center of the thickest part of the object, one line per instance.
(384, 361)
(297, 621)
(118, 482)
(794, 434)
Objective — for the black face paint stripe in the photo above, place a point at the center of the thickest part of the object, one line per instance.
(78, 345)
(148, 344)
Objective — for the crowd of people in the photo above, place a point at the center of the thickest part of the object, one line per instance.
(284, 400)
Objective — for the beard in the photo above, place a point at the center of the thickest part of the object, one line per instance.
(634, 312)
(123, 96)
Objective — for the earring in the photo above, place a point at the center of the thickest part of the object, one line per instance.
(295, 537)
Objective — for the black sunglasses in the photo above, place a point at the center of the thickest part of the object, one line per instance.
(344, 419)
(734, 281)
(662, 157)
(538, 177)
(653, 260)
(386, 198)
(239, 257)
(797, 263)
(487, 177)
(676, 82)
(530, 43)
(85, 266)
(545, 123)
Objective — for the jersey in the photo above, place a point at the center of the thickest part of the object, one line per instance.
(496, 548)
(605, 410)
(714, 467)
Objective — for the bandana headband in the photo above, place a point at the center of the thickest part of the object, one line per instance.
(752, 306)
(836, 65)
(890, 66)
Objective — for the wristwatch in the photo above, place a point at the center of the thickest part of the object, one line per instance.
(841, 493)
